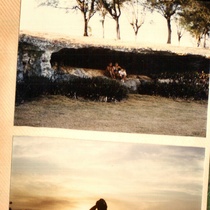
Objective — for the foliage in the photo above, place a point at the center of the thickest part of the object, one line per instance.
(190, 85)
(59, 4)
(195, 17)
(167, 9)
(33, 87)
(88, 88)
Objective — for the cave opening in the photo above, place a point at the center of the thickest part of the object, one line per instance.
(148, 62)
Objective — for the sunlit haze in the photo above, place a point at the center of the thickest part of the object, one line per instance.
(61, 174)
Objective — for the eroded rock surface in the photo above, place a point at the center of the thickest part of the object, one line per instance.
(62, 59)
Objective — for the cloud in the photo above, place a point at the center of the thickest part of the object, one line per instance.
(62, 168)
(42, 202)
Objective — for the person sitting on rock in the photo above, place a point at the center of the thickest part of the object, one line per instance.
(109, 68)
(116, 69)
(122, 74)
(100, 205)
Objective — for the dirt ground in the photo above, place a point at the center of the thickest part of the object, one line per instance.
(137, 114)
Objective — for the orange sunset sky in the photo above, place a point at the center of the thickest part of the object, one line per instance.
(61, 174)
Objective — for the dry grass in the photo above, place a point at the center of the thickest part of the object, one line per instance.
(138, 114)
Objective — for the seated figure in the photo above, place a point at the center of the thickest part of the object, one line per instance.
(116, 72)
(122, 74)
(109, 68)
(116, 69)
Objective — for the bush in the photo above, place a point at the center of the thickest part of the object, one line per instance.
(88, 88)
(94, 88)
(178, 85)
(33, 87)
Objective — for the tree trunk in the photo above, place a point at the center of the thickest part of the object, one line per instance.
(169, 29)
(117, 27)
(136, 35)
(198, 41)
(204, 40)
(179, 37)
(85, 26)
(102, 22)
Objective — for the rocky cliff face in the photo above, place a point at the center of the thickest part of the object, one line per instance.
(34, 57)
(59, 59)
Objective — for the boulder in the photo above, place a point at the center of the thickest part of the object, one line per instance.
(132, 84)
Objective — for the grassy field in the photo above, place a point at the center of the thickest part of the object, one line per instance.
(137, 114)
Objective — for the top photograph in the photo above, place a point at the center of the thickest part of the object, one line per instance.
(129, 66)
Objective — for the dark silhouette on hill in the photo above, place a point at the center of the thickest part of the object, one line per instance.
(100, 205)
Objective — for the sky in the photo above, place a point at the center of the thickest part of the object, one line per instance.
(52, 20)
(61, 174)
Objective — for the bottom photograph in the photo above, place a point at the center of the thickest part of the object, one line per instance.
(72, 174)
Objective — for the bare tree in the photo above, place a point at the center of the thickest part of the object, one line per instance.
(114, 9)
(103, 12)
(180, 29)
(136, 13)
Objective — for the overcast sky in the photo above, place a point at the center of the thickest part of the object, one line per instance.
(61, 174)
(48, 19)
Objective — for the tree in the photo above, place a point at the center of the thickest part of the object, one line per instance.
(137, 10)
(195, 17)
(167, 8)
(87, 7)
(114, 9)
(180, 29)
(103, 12)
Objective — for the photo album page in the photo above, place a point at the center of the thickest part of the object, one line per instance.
(104, 105)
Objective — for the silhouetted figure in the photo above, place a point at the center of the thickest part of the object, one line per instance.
(100, 205)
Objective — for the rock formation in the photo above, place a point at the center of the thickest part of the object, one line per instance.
(62, 59)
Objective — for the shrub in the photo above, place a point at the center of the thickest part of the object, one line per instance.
(93, 88)
(88, 88)
(182, 85)
(33, 87)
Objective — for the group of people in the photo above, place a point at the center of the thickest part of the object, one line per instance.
(116, 72)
